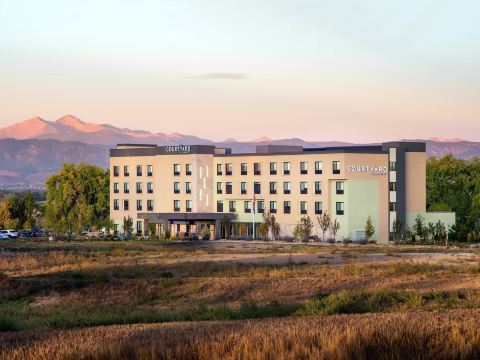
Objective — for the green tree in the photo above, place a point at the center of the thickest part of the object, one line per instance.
(109, 225)
(440, 233)
(152, 230)
(77, 197)
(262, 230)
(430, 232)
(369, 229)
(227, 226)
(8, 213)
(30, 211)
(419, 227)
(454, 184)
(409, 234)
(303, 229)
(242, 230)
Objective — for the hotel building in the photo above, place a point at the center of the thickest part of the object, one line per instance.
(185, 187)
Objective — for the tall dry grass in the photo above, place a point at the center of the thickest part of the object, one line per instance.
(450, 335)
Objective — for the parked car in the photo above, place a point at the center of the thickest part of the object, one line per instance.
(25, 233)
(38, 232)
(10, 233)
(3, 236)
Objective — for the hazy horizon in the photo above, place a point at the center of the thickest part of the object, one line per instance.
(316, 70)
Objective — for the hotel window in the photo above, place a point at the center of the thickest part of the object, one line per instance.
(176, 188)
(393, 206)
(219, 169)
(392, 166)
(116, 205)
(139, 227)
(176, 205)
(149, 205)
(243, 169)
(243, 188)
(303, 168)
(188, 205)
(318, 187)
(139, 187)
(273, 207)
(286, 168)
(273, 187)
(115, 228)
(318, 167)
(219, 187)
(340, 208)
(303, 207)
(139, 205)
(188, 169)
(261, 206)
(303, 187)
(176, 169)
(150, 187)
(219, 206)
(232, 206)
(273, 168)
(392, 186)
(228, 188)
(336, 167)
(339, 187)
(228, 169)
(188, 188)
(126, 188)
(149, 170)
(287, 207)
(247, 206)
(126, 171)
(287, 187)
(125, 205)
(256, 169)
(116, 189)
(256, 188)
(116, 171)
(318, 207)
(139, 170)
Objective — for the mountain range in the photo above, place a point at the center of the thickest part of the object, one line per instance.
(33, 149)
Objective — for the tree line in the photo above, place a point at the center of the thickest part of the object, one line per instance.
(77, 197)
(454, 185)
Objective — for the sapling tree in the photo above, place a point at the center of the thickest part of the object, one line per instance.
(369, 229)
(419, 227)
(397, 228)
(127, 225)
(303, 229)
(324, 221)
(334, 227)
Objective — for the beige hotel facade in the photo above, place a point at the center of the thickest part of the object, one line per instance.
(186, 187)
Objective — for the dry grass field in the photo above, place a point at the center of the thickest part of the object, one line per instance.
(236, 300)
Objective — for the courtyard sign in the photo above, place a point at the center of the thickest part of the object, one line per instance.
(373, 170)
(181, 149)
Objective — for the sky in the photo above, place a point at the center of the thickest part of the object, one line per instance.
(347, 70)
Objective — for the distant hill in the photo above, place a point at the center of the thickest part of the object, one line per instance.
(33, 149)
(32, 161)
(71, 128)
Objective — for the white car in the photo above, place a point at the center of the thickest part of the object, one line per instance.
(3, 236)
(9, 233)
